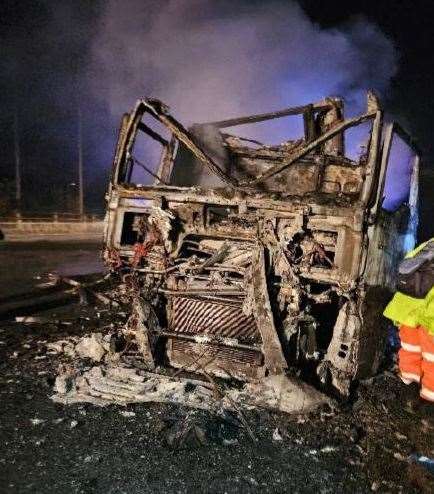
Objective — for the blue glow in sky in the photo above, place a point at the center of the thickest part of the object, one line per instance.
(398, 176)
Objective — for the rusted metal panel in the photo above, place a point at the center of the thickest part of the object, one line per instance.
(222, 361)
(334, 131)
(272, 348)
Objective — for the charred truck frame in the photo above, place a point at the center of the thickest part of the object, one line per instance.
(245, 260)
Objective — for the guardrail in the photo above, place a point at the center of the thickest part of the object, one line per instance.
(53, 218)
(54, 226)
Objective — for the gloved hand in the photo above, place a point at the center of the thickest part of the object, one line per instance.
(410, 265)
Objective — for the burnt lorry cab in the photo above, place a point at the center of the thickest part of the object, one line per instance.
(245, 259)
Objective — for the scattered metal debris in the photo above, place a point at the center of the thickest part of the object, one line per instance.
(58, 291)
(114, 382)
(93, 347)
(41, 320)
(277, 436)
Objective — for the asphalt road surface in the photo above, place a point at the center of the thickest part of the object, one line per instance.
(25, 265)
(363, 445)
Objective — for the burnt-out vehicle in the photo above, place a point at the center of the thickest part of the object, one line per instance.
(245, 259)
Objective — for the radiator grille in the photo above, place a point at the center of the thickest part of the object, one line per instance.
(219, 360)
(197, 316)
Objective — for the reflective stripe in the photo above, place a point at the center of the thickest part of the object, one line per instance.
(427, 394)
(428, 356)
(410, 377)
(410, 348)
(406, 381)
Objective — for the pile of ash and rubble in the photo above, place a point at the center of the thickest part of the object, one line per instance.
(109, 364)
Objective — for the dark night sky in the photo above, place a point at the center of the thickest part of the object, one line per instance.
(410, 24)
(45, 48)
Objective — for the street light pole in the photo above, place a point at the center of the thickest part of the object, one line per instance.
(17, 162)
(80, 164)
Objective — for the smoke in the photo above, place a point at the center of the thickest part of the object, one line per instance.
(207, 59)
(210, 60)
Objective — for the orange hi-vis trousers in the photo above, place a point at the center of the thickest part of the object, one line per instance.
(416, 359)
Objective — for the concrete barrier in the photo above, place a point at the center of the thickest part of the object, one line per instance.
(51, 230)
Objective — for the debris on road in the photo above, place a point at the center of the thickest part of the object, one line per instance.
(41, 320)
(37, 421)
(354, 447)
(93, 347)
(420, 477)
(106, 384)
(59, 291)
(186, 433)
(277, 436)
